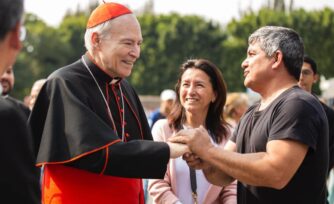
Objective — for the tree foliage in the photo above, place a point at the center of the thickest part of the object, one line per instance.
(169, 40)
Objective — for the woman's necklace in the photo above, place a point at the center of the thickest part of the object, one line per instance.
(106, 102)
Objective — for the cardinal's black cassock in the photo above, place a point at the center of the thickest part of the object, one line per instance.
(91, 154)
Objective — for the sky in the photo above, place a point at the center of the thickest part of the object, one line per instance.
(52, 11)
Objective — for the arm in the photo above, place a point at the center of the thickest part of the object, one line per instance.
(93, 147)
(228, 194)
(215, 175)
(273, 168)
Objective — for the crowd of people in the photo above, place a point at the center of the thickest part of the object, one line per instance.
(82, 135)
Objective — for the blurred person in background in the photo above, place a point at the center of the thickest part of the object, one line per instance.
(308, 77)
(167, 98)
(19, 177)
(35, 89)
(236, 105)
(7, 81)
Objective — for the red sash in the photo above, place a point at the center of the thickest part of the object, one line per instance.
(66, 185)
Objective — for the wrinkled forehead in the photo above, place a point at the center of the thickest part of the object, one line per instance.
(255, 45)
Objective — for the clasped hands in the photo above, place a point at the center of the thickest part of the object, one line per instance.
(192, 145)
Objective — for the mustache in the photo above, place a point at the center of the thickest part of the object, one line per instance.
(5, 81)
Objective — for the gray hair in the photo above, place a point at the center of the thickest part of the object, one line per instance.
(273, 38)
(101, 29)
(11, 12)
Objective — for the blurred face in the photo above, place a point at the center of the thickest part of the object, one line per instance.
(240, 110)
(9, 48)
(196, 92)
(307, 77)
(34, 93)
(166, 106)
(256, 67)
(7, 81)
(118, 51)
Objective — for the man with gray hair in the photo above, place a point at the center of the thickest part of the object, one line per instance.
(279, 150)
(92, 135)
(19, 178)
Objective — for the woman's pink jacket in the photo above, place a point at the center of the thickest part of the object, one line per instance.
(162, 190)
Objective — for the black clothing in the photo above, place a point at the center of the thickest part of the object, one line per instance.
(330, 117)
(71, 125)
(294, 115)
(19, 104)
(19, 177)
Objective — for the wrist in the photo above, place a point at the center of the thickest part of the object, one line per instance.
(207, 153)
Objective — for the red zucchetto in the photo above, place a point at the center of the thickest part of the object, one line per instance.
(105, 12)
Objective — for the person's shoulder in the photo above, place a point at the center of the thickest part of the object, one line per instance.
(300, 103)
(155, 114)
(9, 111)
(5, 107)
(162, 123)
(20, 105)
(65, 71)
(300, 96)
(162, 129)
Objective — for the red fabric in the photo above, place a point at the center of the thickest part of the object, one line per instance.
(105, 12)
(66, 185)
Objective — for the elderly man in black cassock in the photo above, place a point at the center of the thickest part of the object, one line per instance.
(91, 132)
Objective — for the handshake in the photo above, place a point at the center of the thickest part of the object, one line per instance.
(191, 144)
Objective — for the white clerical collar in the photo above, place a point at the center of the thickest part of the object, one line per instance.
(115, 80)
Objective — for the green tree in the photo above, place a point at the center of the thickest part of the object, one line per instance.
(43, 51)
(168, 41)
(171, 39)
(72, 31)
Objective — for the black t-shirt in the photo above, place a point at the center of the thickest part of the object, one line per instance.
(330, 117)
(294, 115)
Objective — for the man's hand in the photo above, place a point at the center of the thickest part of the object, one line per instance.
(197, 139)
(194, 161)
(177, 149)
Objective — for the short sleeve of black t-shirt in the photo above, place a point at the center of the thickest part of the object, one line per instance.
(297, 120)
(289, 117)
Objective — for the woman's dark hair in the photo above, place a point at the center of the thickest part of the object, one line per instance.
(215, 121)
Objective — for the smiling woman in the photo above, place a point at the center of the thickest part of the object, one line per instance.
(201, 92)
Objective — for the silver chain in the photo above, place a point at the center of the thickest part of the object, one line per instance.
(105, 101)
